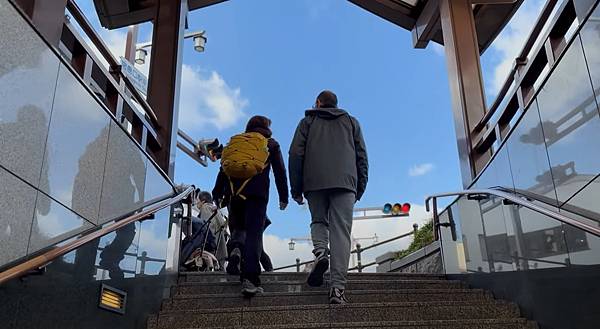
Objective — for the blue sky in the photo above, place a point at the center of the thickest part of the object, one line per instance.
(272, 58)
(282, 57)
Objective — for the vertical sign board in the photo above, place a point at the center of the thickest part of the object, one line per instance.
(137, 78)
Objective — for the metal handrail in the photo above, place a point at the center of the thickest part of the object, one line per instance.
(521, 58)
(58, 251)
(115, 66)
(297, 265)
(415, 227)
(356, 251)
(514, 199)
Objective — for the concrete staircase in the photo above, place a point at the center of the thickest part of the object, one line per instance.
(407, 301)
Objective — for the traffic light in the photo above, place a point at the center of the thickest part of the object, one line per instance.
(210, 148)
(387, 208)
(397, 209)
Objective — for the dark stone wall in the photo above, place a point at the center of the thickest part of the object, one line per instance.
(557, 298)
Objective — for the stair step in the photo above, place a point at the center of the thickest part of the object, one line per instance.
(363, 313)
(295, 276)
(195, 288)
(517, 323)
(182, 302)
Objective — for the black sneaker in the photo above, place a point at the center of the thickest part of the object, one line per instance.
(320, 266)
(249, 289)
(337, 296)
(233, 264)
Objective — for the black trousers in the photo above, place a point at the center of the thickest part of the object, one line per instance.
(246, 223)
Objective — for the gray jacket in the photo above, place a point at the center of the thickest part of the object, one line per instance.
(328, 151)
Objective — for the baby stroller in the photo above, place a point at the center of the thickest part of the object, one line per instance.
(198, 250)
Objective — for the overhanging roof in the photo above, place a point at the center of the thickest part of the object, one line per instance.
(490, 19)
(114, 14)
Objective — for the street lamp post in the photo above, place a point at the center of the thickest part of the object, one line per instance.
(199, 45)
(292, 243)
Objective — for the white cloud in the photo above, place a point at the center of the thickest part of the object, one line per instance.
(204, 99)
(437, 48)
(277, 248)
(208, 100)
(420, 169)
(511, 40)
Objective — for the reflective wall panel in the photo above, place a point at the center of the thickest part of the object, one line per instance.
(76, 147)
(28, 71)
(528, 157)
(155, 185)
(571, 123)
(16, 214)
(52, 223)
(498, 173)
(590, 36)
(62, 156)
(72, 283)
(468, 214)
(153, 244)
(124, 178)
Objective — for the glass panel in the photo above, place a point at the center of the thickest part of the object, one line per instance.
(571, 124)
(467, 215)
(538, 240)
(28, 71)
(528, 241)
(590, 36)
(117, 253)
(582, 8)
(17, 201)
(123, 186)
(75, 166)
(453, 251)
(71, 284)
(152, 252)
(584, 248)
(585, 202)
(528, 157)
(52, 223)
(155, 185)
(497, 173)
(497, 68)
(495, 235)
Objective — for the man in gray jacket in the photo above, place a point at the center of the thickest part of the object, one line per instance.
(328, 165)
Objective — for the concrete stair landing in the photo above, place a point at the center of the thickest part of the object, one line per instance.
(211, 300)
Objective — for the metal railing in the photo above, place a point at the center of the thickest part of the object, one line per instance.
(53, 253)
(113, 88)
(358, 251)
(542, 51)
(511, 198)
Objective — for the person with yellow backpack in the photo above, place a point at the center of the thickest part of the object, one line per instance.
(243, 182)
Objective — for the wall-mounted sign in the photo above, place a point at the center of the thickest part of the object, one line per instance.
(137, 78)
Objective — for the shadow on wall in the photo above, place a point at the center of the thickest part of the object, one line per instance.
(123, 190)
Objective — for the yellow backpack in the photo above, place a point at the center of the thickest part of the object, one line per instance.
(244, 157)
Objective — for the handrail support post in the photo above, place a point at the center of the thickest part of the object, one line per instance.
(358, 258)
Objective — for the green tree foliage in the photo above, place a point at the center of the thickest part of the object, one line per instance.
(423, 237)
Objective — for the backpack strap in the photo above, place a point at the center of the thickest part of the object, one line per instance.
(235, 193)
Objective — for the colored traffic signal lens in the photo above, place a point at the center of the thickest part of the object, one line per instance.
(396, 209)
(406, 207)
(387, 208)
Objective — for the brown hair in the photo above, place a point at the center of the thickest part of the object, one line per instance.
(259, 124)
